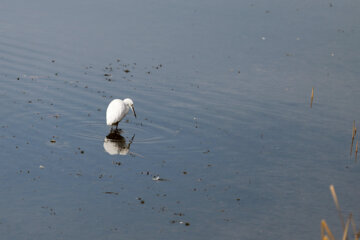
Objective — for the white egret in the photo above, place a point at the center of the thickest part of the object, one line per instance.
(117, 110)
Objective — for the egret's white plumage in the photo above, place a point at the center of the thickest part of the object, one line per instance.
(117, 110)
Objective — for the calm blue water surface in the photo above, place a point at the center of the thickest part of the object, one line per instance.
(222, 93)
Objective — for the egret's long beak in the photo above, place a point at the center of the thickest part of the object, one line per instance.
(132, 108)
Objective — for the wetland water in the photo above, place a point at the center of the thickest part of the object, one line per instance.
(222, 96)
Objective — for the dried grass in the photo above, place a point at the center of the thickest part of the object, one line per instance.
(326, 233)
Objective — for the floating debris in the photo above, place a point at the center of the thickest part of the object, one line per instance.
(186, 223)
(116, 163)
(141, 200)
(312, 97)
(41, 167)
(115, 193)
(196, 122)
(158, 178)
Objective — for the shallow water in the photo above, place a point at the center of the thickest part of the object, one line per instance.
(222, 94)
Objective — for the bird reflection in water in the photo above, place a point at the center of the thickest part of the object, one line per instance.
(115, 144)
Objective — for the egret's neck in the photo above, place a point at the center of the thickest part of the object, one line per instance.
(127, 108)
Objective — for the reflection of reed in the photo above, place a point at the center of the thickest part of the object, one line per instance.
(312, 97)
(356, 150)
(115, 144)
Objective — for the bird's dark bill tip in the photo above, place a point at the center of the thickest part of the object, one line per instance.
(134, 111)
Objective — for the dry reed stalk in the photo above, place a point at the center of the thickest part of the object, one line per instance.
(352, 138)
(312, 97)
(354, 229)
(356, 149)
(326, 229)
(333, 193)
(353, 130)
(326, 234)
(346, 228)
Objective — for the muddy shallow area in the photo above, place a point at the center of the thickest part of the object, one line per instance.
(225, 144)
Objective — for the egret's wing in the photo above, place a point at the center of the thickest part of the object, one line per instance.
(115, 112)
